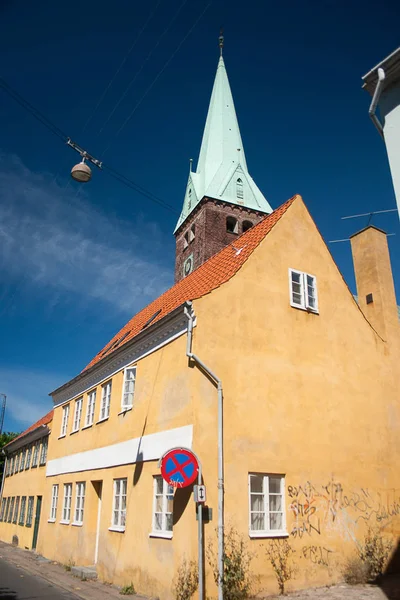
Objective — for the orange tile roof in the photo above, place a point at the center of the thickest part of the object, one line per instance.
(43, 421)
(214, 272)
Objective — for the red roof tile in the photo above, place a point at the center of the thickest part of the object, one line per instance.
(214, 272)
(43, 421)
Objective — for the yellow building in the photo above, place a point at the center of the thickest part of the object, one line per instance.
(262, 330)
(24, 482)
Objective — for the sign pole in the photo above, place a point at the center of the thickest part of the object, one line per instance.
(201, 542)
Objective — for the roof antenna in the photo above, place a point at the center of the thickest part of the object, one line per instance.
(221, 40)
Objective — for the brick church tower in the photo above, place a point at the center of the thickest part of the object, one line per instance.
(221, 200)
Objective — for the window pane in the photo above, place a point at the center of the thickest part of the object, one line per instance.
(275, 502)
(170, 504)
(257, 522)
(159, 485)
(257, 502)
(275, 521)
(297, 298)
(256, 483)
(158, 521)
(168, 524)
(296, 277)
(275, 485)
(159, 503)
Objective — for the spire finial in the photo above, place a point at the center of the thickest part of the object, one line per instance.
(221, 40)
(190, 164)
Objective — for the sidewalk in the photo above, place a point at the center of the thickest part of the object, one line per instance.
(57, 575)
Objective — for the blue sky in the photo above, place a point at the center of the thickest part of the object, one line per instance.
(77, 262)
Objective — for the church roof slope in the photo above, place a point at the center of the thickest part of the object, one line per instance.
(214, 272)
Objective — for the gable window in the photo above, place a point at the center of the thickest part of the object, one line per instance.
(29, 512)
(16, 510)
(28, 457)
(43, 453)
(119, 504)
(246, 225)
(239, 189)
(77, 415)
(231, 225)
(303, 290)
(105, 401)
(91, 405)
(54, 502)
(22, 511)
(163, 502)
(35, 454)
(64, 421)
(79, 503)
(266, 505)
(3, 508)
(129, 387)
(66, 513)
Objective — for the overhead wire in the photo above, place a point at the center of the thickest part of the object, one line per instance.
(149, 88)
(132, 81)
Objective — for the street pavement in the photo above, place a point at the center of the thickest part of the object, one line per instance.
(17, 584)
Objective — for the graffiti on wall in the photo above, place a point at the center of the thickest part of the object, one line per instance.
(330, 507)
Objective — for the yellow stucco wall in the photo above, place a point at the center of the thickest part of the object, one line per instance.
(310, 396)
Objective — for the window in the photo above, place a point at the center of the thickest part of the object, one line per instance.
(7, 467)
(303, 290)
(91, 405)
(35, 454)
(3, 509)
(266, 505)
(64, 422)
(11, 465)
(186, 240)
(79, 503)
(129, 387)
(105, 401)
(28, 457)
(77, 415)
(66, 514)
(192, 233)
(119, 505)
(162, 507)
(16, 510)
(231, 225)
(190, 199)
(43, 453)
(22, 511)
(29, 512)
(16, 463)
(10, 514)
(239, 189)
(22, 461)
(246, 225)
(7, 510)
(54, 501)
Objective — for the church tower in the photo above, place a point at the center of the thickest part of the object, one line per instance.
(221, 200)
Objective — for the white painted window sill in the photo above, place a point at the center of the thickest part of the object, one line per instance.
(51, 520)
(87, 426)
(166, 535)
(77, 524)
(125, 409)
(102, 420)
(74, 431)
(64, 522)
(300, 307)
(117, 529)
(268, 534)
(62, 436)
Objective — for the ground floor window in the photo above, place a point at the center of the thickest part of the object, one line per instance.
(163, 501)
(10, 514)
(16, 509)
(119, 504)
(66, 514)
(29, 512)
(3, 508)
(79, 503)
(266, 505)
(22, 511)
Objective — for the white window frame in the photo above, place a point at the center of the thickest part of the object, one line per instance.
(21, 518)
(305, 297)
(3, 508)
(28, 457)
(54, 502)
(76, 424)
(64, 421)
(43, 451)
(22, 460)
(90, 408)
(16, 463)
(167, 491)
(35, 458)
(29, 511)
(267, 531)
(106, 389)
(66, 511)
(16, 510)
(79, 502)
(118, 516)
(127, 395)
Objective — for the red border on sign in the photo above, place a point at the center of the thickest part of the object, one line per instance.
(179, 467)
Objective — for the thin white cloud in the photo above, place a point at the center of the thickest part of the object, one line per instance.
(27, 394)
(60, 242)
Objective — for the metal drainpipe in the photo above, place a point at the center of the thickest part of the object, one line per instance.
(218, 383)
(375, 100)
